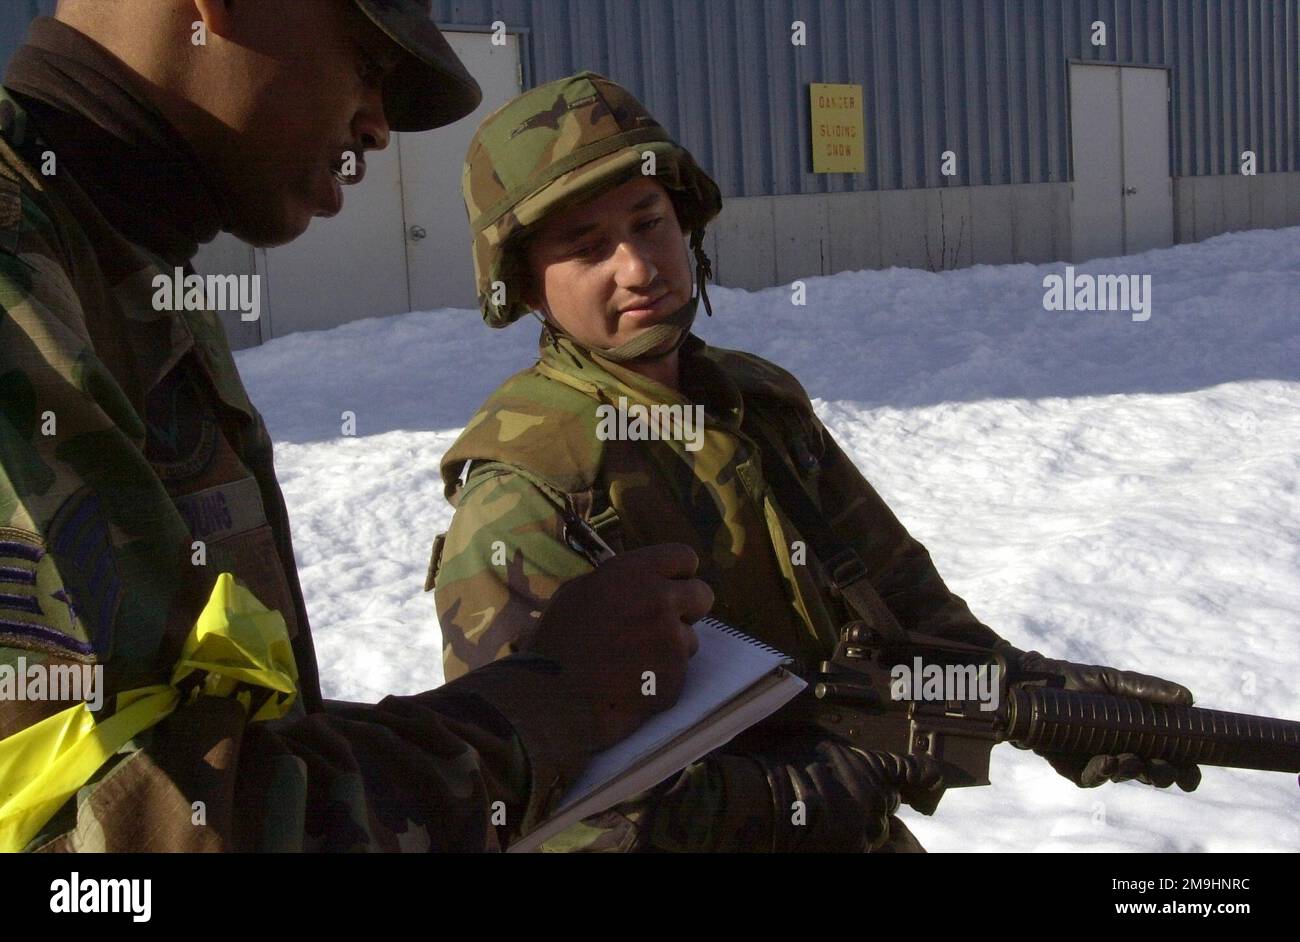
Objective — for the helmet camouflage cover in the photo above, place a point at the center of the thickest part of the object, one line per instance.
(555, 146)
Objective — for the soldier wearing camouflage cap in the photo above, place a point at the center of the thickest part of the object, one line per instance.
(135, 468)
(579, 204)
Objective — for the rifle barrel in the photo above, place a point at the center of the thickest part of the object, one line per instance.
(1065, 721)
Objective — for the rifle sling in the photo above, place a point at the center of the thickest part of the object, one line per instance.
(844, 567)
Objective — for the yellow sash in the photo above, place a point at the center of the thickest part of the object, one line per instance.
(236, 646)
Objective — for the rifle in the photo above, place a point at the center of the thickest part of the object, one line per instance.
(857, 699)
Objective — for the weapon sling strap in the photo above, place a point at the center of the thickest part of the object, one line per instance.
(847, 572)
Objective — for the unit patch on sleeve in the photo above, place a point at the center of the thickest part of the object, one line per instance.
(36, 610)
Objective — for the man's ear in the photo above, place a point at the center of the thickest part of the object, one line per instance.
(217, 15)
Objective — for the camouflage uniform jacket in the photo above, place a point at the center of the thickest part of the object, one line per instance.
(534, 448)
(127, 439)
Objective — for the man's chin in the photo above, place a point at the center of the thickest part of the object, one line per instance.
(633, 325)
(267, 233)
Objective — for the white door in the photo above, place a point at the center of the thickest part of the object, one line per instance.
(439, 265)
(346, 268)
(1148, 188)
(1122, 191)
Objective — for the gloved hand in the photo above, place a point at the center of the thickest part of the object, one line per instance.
(848, 795)
(746, 802)
(1091, 771)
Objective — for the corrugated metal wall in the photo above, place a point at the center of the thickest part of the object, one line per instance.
(985, 78)
(14, 17)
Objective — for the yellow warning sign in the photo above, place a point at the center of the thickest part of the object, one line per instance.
(839, 140)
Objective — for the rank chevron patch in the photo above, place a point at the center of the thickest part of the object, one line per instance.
(36, 610)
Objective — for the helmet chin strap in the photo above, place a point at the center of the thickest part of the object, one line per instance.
(671, 332)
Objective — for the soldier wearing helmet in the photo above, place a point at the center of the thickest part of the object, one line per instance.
(580, 208)
(123, 146)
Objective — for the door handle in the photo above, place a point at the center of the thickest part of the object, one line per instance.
(1130, 191)
(416, 233)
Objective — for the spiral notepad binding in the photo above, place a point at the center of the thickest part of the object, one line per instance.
(726, 629)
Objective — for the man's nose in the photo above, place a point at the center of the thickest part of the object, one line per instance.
(635, 269)
(370, 126)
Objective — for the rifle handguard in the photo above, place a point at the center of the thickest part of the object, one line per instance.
(1053, 720)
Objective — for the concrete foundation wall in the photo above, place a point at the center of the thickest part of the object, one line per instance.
(762, 241)
(1210, 206)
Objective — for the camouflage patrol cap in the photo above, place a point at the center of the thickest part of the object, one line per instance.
(557, 145)
(430, 86)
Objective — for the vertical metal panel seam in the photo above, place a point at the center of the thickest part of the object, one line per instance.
(1277, 85)
(1010, 121)
(783, 102)
(954, 69)
(1238, 95)
(928, 99)
(890, 44)
(1217, 42)
(1253, 97)
(880, 91)
(1064, 8)
(973, 104)
(1292, 73)
(1291, 102)
(918, 156)
(1047, 119)
(1199, 100)
(1257, 92)
(1035, 82)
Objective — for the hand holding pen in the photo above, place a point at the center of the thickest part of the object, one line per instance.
(624, 633)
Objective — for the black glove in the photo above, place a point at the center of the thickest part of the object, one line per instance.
(743, 801)
(848, 795)
(1091, 771)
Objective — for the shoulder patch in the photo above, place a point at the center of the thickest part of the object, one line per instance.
(36, 610)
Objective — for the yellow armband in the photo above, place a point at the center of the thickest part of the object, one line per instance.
(237, 648)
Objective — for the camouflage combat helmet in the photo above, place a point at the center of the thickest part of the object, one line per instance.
(558, 145)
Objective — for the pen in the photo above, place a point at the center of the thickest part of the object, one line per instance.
(583, 538)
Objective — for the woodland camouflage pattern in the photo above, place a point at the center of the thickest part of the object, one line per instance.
(533, 450)
(155, 445)
(559, 143)
(532, 454)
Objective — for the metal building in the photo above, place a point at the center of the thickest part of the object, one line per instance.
(994, 131)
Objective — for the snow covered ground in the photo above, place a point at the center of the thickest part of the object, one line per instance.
(1100, 489)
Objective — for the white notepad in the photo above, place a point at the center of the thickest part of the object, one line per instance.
(732, 682)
